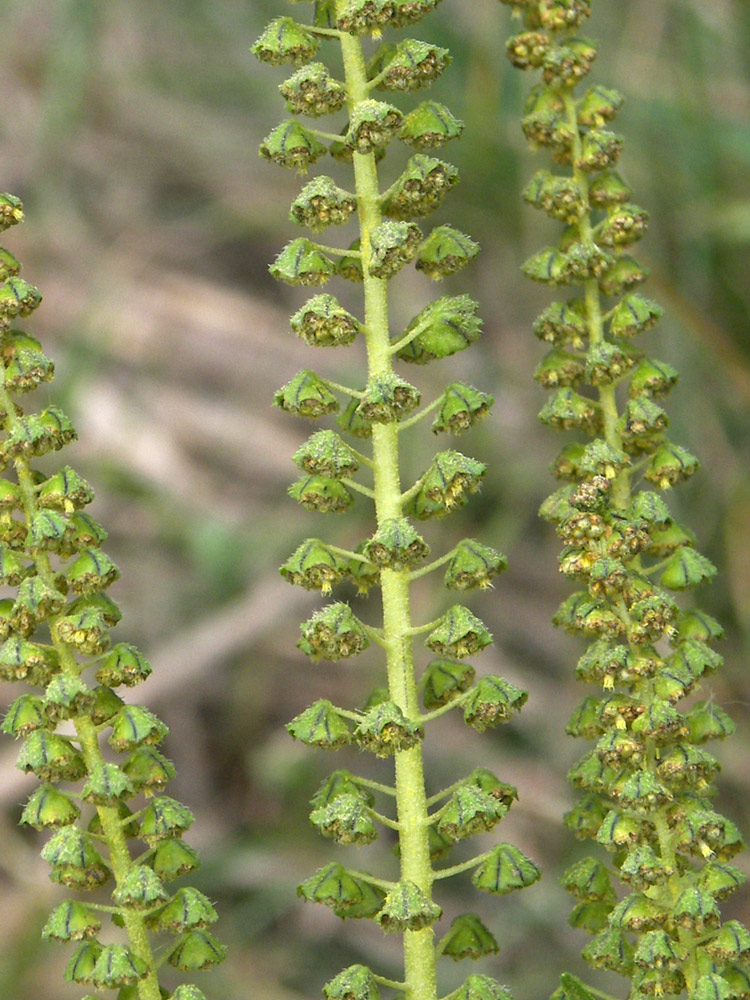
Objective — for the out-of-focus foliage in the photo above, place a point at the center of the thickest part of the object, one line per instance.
(129, 130)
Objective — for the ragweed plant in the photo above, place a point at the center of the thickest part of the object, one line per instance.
(381, 410)
(114, 835)
(647, 781)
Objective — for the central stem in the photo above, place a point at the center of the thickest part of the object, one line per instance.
(419, 950)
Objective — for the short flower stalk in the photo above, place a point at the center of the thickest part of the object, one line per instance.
(392, 722)
(647, 781)
(113, 834)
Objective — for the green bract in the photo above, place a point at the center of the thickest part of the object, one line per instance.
(56, 632)
(359, 458)
(647, 780)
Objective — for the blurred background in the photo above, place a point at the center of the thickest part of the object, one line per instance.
(130, 131)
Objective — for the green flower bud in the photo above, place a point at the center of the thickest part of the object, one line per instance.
(658, 950)
(429, 125)
(285, 41)
(708, 721)
(83, 533)
(314, 566)
(355, 983)
(564, 65)
(24, 716)
(188, 909)
(86, 630)
(11, 211)
(567, 410)
(35, 602)
(598, 106)
(117, 966)
(65, 491)
(443, 680)
(372, 125)
(458, 633)
(624, 275)
(585, 818)
(450, 325)
(720, 879)
(81, 965)
(306, 395)
(638, 913)
(642, 868)
(346, 894)
(49, 807)
(473, 565)
(640, 790)
(600, 149)
(320, 725)
(446, 485)
(505, 869)
(135, 726)
(71, 921)
(607, 189)
(559, 196)
(105, 705)
(333, 633)
(292, 145)
(590, 916)
(652, 378)
(74, 860)
(361, 17)
(173, 858)
(558, 367)
(384, 730)
(91, 571)
(527, 50)
(393, 244)
(618, 830)
(407, 908)
(670, 465)
(18, 298)
(396, 545)
(592, 772)
(696, 910)
(610, 950)
(148, 769)
(322, 203)
(624, 225)
(634, 315)
(563, 323)
(468, 938)
(607, 362)
(589, 879)
(420, 188)
(124, 664)
(585, 720)
(106, 784)
(410, 65)
(27, 370)
(51, 757)
(198, 949)
(141, 889)
(345, 819)
(468, 812)
(712, 986)
(686, 568)
(164, 818)
(548, 266)
(445, 251)
(322, 322)
(302, 263)
(321, 494)
(46, 530)
(362, 573)
(462, 407)
(313, 91)
(545, 123)
(340, 782)
(406, 12)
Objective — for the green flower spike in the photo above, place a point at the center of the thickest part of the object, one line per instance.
(647, 781)
(376, 416)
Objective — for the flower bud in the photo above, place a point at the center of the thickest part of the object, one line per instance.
(396, 545)
(322, 203)
(49, 807)
(35, 602)
(320, 725)
(321, 494)
(429, 125)
(18, 298)
(148, 769)
(124, 664)
(720, 879)
(420, 188)
(598, 106)
(185, 992)
(65, 491)
(607, 362)
(313, 91)
(467, 938)
(74, 860)
(384, 730)
(345, 819)
(686, 568)
(624, 225)
(443, 680)
(198, 949)
(188, 909)
(447, 485)
(567, 410)
(301, 263)
(306, 395)
(548, 266)
(468, 812)
(564, 65)
(141, 889)
(459, 633)
(81, 964)
(333, 633)
(589, 879)
(106, 785)
(473, 565)
(410, 65)
(563, 323)
(638, 913)
(610, 950)
(670, 464)
(708, 721)
(352, 421)
(558, 367)
(372, 125)
(86, 631)
(346, 894)
(600, 149)
(505, 869)
(27, 370)
(349, 266)
(545, 122)
(93, 570)
(361, 17)
(322, 322)
(135, 726)
(117, 966)
(292, 145)
(314, 566)
(527, 50)
(71, 921)
(164, 818)
(393, 244)
(11, 211)
(83, 532)
(450, 325)
(51, 757)
(494, 700)
(355, 983)
(624, 275)
(696, 910)
(285, 41)
(559, 196)
(25, 715)
(407, 908)
(173, 858)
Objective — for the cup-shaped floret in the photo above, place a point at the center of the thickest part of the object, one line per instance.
(480, 988)
(420, 188)
(18, 298)
(443, 680)
(107, 784)
(446, 326)
(337, 783)
(285, 41)
(409, 65)
(198, 949)
(74, 859)
(313, 91)
(320, 725)
(474, 565)
(322, 203)
(164, 818)
(447, 485)
(599, 105)
(354, 983)
(306, 395)
(346, 894)
(27, 370)
(563, 323)
(528, 49)
(429, 125)
(314, 566)
(134, 726)
(333, 633)
(372, 125)
(468, 812)
(392, 244)
(321, 494)
(25, 715)
(49, 807)
(149, 769)
(361, 17)
(504, 869)
(445, 251)
(468, 938)
(173, 858)
(117, 966)
(494, 700)
(71, 921)
(292, 145)
(589, 879)
(384, 730)
(65, 490)
(322, 322)
(188, 909)
(82, 962)
(124, 664)
(458, 633)
(302, 263)
(51, 757)
(407, 908)
(610, 950)
(345, 819)
(462, 407)
(396, 545)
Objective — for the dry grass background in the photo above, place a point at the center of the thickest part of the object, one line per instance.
(130, 131)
